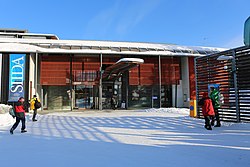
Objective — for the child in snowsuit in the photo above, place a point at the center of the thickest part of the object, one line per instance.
(215, 97)
(207, 110)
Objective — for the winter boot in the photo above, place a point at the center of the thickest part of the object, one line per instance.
(208, 127)
(218, 125)
(23, 131)
(212, 123)
(11, 131)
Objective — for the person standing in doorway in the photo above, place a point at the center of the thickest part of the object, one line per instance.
(20, 115)
(215, 97)
(34, 105)
(113, 103)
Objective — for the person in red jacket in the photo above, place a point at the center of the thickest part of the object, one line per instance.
(207, 110)
(20, 115)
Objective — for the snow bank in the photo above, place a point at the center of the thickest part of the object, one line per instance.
(6, 119)
(184, 111)
(4, 108)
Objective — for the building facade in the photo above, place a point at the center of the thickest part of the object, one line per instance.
(69, 74)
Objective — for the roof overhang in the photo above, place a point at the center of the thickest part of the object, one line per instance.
(98, 47)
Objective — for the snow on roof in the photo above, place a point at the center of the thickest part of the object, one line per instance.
(97, 47)
(136, 60)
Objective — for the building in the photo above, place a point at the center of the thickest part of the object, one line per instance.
(68, 74)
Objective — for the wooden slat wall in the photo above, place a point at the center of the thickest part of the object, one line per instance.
(243, 82)
(54, 70)
(170, 70)
(110, 59)
(145, 74)
(148, 73)
(86, 63)
(210, 70)
(134, 77)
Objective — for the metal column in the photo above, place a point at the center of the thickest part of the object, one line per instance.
(127, 84)
(159, 81)
(36, 72)
(100, 84)
(235, 87)
(196, 86)
(42, 99)
(71, 83)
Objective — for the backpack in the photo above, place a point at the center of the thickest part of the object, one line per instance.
(37, 104)
(12, 112)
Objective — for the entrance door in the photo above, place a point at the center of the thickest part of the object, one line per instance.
(166, 96)
(109, 90)
(84, 96)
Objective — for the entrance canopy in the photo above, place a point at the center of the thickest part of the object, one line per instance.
(121, 66)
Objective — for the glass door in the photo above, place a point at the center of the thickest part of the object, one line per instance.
(84, 96)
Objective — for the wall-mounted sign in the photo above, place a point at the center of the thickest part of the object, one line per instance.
(154, 97)
(247, 32)
(16, 76)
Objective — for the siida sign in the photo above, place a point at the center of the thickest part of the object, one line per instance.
(16, 76)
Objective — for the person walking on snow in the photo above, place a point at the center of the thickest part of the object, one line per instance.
(20, 115)
(215, 97)
(113, 103)
(207, 110)
(34, 105)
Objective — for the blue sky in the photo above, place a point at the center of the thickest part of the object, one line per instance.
(216, 23)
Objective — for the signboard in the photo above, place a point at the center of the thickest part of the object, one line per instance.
(155, 97)
(247, 32)
(16, 76)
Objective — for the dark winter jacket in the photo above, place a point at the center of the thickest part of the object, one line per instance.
(207, 105)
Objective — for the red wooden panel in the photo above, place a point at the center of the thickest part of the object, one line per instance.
(148, 73)
(192, 78)
(170, 70)
(55, 69)
(145, 74)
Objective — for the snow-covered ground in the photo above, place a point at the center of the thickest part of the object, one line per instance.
(144, 138)
(168, 110)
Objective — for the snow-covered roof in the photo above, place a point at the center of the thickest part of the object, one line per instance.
(97, 47)
(135, 60)
(27, 35)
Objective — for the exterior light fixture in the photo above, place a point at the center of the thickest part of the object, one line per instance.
(223, 57)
